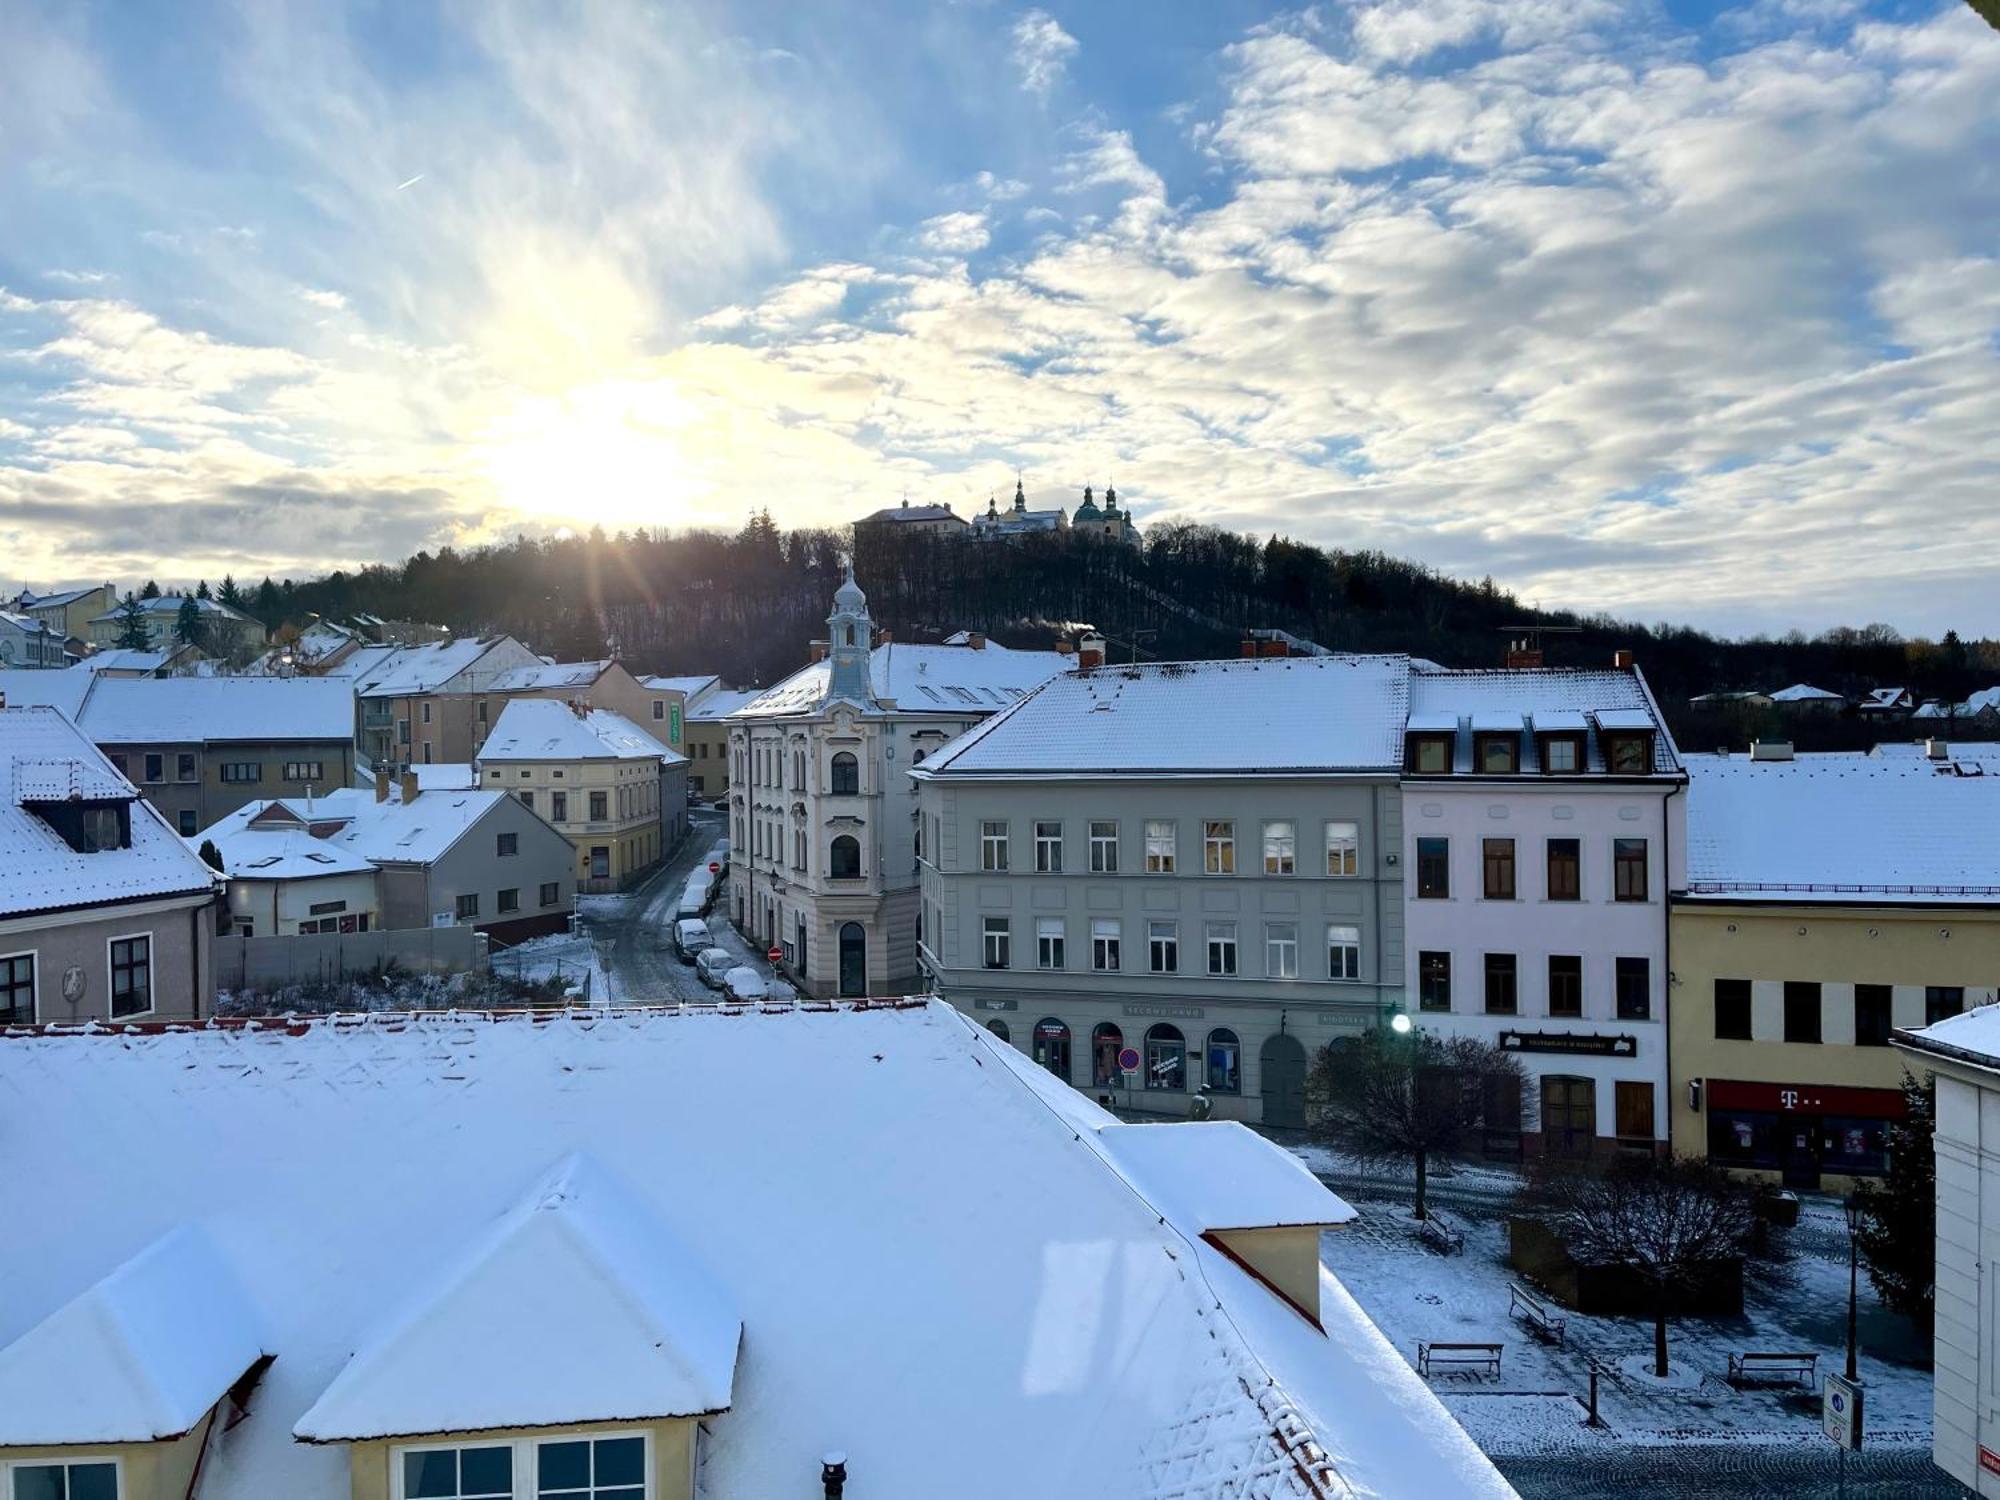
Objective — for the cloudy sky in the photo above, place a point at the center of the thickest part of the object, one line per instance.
(1678, 310)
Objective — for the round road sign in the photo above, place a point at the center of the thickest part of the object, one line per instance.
(714, 868)
(1128, 1059)
(774, 954)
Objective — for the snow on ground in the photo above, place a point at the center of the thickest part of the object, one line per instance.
(571, 957)
(1536, 1407)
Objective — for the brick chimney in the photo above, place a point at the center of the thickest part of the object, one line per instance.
(1622, 661)
(1522, 654)
(409, 787)
(381, 783)
(1248, 648)
(1090, 653)
(819, 650)
(1065, 648)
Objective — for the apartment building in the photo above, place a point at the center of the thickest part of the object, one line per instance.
(707, 746)
(105, 914)
(1830, 901)
(1150, 907)
(27, 644)
(225, 631)
(419, 705)
(68, 612)
(1544, 812)
(823, 860)
(616, 793)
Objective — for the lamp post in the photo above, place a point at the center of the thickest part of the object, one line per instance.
(1852, 1208)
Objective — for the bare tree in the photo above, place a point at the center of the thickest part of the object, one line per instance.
(1670, 1219)
(1387, 1097)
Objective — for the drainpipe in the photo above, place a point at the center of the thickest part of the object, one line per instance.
(833, 1474)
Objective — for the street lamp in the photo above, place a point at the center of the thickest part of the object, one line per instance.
(1399, 1023)
(1852, 1208)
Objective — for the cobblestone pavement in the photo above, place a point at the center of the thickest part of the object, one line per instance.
(1730, 1472)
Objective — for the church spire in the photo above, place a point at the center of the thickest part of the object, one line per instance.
(1020, 497)
(849, 635)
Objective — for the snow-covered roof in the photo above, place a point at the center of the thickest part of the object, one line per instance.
(217, 710)
(1268, 714)
(66, 596)
(909, 512)
(407, 670)
(1886, 698)
(625, 1326)
(1537, 700)
(1982, 700)
(41, 752)
(64, 691)
(1801, 692)
(126, 659)
(1971, 1036)
(445, 776)
(1972, 752)
(917, 1315)
(170, 604)
(544, 729)
(1842, 828)
(391, 832)
(721, 703)
(1219, 1174)
(362, 662)
(140, 1356)
(689, 687)
(546, 676)
(955, 680)
(280, 854)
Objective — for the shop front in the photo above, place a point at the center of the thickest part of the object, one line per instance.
(1800, 1130)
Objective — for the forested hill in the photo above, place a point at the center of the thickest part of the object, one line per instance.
(745, 606)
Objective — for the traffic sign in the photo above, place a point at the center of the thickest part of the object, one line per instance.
(774, 954)
(714, 868)
(1841, 1414)
(1128, 1059)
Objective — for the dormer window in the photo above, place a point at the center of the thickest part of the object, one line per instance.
(1430, 754)
(61, 1479)
(1628, 754)
(608, 1467)
(1497, 754)
(88, 826)
(1562, 754)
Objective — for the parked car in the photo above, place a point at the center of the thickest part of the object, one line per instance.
(745, 983)
(691, 937)
(782, 993)
(713, 964)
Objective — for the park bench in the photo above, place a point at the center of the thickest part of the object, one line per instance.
(1485, 1356)
(1439, 1235)
(1531, 1310)
(1802, 1366)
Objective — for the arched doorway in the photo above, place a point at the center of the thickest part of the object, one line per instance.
(853, 959)
(1224, 1072)
(1281, 1062)
(1105, 1044)
(1166, 1059)
(999, 1028)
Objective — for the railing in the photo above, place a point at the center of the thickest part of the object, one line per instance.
(1731, 887)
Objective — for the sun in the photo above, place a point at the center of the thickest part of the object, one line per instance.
(610, 454)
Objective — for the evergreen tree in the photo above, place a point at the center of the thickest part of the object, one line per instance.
(210, 855)
(150, 591)
(187, 623)
(229, 593)
(1898, 1230)
(132, 632)
(268, 606)
(201, 590)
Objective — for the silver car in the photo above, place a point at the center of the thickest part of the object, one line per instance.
(713, 964)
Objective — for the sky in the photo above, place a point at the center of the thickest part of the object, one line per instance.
(1678, 311)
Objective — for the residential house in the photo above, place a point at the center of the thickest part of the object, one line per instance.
(1803, 697)
(105, 914)
(708, 740)
(673, 699)
(1737, 698)
(824, 855)
(501, 1256)
(1962, 1053)
(596, 684)
(172, 659)
(1018, 521)
(1887, 703)
(908, 519)
(68, 612)
(1830, 900)
(420, 704)
(1150, 910)
(440, 858)
(1544, 824)
(616, 793)
(1982, 709)
(225, 631)
(1107, 521)
(27, 644)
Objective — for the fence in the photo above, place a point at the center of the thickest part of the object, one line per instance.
(267, 963)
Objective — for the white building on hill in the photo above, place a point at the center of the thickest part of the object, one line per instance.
(572, 1255)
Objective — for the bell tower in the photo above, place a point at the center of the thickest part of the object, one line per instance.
(849, 634)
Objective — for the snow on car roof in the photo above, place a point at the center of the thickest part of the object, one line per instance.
(830, 1205)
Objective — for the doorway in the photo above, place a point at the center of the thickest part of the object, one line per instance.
(1281, 1064)
(853, 960)
(1569, 1115)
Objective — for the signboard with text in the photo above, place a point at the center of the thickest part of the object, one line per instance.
(1840, 1412)
(1571, 1043)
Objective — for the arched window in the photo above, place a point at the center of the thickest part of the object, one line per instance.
(1166, 1058)
(798, 770)
(1106, 1042)
(853, 959)
(844, 858)
(999, 1028)
(1225, 1062)
(847, 635)
(846, 775)
(1052, 1046)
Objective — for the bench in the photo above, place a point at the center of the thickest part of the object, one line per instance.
(1802, 1366)
(1485, 1356)
(1439, 1235)
(1531, 1310)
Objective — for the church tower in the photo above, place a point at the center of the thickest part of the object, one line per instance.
(849, 633)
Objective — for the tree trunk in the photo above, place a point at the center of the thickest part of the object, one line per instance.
(1422, 1163)
(1660, 1331)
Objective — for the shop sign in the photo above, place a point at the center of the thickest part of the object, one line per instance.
(1569, 1043)
(1806, 1099)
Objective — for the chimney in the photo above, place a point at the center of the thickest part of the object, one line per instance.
(1522, 654)
(833, 1475)
(883, 638)
(381, 783)
(409, 787)
(819, 650)
(1622, 661)
(1770, 749)
(1065, 648)
(1090, 653)
(1274, 646)
(976, 640)
(1936, 749)
(1248, 649)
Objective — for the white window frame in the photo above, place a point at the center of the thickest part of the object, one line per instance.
(526, 1480)
(67, 1458)
(1103, 847)
(110, 996)
(34, 957)
(993, 846)
(1343, 848)
(1048, 847)
(1224, 933)
(1162, 849)
(1281, 954)
(1155, 937)
(1343, 937)
(1218, 846)
(991, 928)
(1047, 930)
(1107, 930)
(1281, 846)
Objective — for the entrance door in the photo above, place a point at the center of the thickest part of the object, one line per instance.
(1281, 1062)
(1569, 1115)
(853, 960)
(1798, 1148)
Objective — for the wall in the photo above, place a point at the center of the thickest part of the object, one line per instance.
(632, 830)
(207, 798)
(183, 958)
(147, 1471)
(263, 963)
(707, 750)
(274, 908)
(1965, 1408)
(673, 1455)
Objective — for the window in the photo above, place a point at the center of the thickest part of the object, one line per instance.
(184, 766)
(1106, 1042)
(1433, 980)
(1222, 948)
(558, 807)
(187, 823)
(1632, 1104)
(845, 777)
(483, 1473)
(1103, 848)
(310, 770)
(468, 905)
(1048, 942)
(1502, 985)
(843, 858)
(1159, 846)
(998, 944)
(1430, 755)
(1498, 754)
(611, 1468)
(999, 1028)
(1048, 848)
(1281, 847)
(1628, 754)
(427, 752)
(1635, 989)
(427, 712)
(551, 892)
(1628, 858)
(992, 846)
(156, 767)
(1942, 1001)
(1565, 870)
(600, 806)
(1281, 950)
(506, 844)
(659, 709)
(118, 763)
(242, 770)
(1732, 1010)
(483, 710)
(1166, 1058)
(1497, 863)
(1343, 952)
(402, 731)
(1051, 1046)
(76, 1479)
(1801, 1010)
(527, 798)
(1218, 847)
(1562, 755)
(17, 988)
(1565, 984)
(1343, 848)
(1104, 944)
(1225, 1062)
(131, 975)
(1163, 947)
(1433, 869)
(1872, 1007)
(600, 862)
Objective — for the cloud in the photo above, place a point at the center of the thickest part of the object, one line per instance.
(954, 234)
(1042, 50)
(331, 301)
